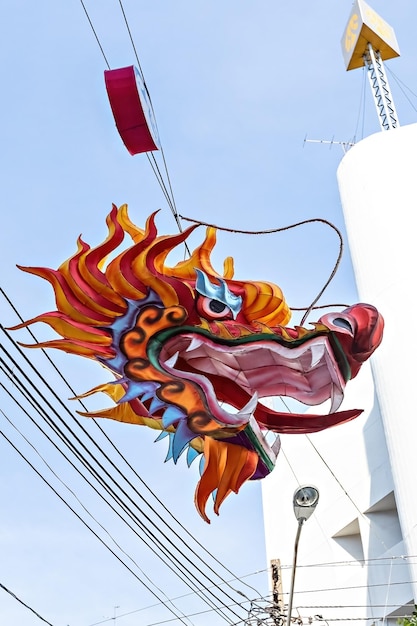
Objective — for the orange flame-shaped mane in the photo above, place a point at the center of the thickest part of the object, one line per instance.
(94, 295)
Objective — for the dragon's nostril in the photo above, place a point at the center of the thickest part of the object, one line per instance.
(341, 322)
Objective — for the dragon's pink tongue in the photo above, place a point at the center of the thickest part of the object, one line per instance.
(301, 423)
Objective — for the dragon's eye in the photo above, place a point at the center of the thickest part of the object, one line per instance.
(213, 309)
(216, 306)
(216, 300)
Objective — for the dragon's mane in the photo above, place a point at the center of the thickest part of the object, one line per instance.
(98, 293)
(90, 293)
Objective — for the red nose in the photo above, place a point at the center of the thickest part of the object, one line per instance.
(369, 327)
(358, 330)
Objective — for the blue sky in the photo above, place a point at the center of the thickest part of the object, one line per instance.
(236, 87)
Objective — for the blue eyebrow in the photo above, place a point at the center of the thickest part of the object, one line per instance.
(220, 292)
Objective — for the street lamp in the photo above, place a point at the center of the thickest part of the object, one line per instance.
(304, 502)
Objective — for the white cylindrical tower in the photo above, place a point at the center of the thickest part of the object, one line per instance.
(378, 187)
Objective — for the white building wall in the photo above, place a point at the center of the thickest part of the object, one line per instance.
(349, 557)
(378, 188)
(355, 553)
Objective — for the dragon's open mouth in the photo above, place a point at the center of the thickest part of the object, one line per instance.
(251, 368)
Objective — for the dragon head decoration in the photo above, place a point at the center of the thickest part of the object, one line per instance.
(193, 353)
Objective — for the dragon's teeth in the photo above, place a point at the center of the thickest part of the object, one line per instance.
(249, 408)
(172, 360)
(276, 446)
(194, 344)
(336, 397)
(317, 352)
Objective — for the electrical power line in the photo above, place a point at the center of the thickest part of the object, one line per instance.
(145, 500)
(165, 553)
(16, 368)
(24, 604)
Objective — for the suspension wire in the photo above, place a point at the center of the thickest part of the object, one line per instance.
(310, 308)
(375, 562)
(297, 480)
(368, 562)
(387, 594)
(356, 619)
(365, 91)
(268, 598)
(158, 175)
(361, 108)
(196, 591)
(353, 606)
(24, 604)
(144, 484)
(173, 207)
(127, 510)
(362, 619)
(348, 606)
(169, 195)
(348, 588)
(401, 84)
(71, 491)
(168, 554)
(131, 40)
(95, 489)
(340, 485)
(167, 191)
(165, 621)
(227, 583)
(333, 475)
(281, 229)
(95, 34)
(177, 217)
(265, 598)
(154, 165)
(171, 202)
(88, 482)
(85, 524)
(345, 492)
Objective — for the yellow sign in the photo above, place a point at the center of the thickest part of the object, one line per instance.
(352, 31)
(366, 26)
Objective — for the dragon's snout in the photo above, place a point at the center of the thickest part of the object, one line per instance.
(359, 330)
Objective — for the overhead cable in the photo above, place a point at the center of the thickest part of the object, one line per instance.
(162, 519)
(165, 187)
(85, 523)
(162, 550)
(25, 605)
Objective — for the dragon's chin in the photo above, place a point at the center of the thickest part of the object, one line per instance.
(255, 368)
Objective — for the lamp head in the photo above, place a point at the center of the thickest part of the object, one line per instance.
(304, 502)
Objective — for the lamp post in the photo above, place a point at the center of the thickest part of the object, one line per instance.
(304, 502)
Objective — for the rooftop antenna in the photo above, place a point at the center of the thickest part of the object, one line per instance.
(345, 145)
(369, 40)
